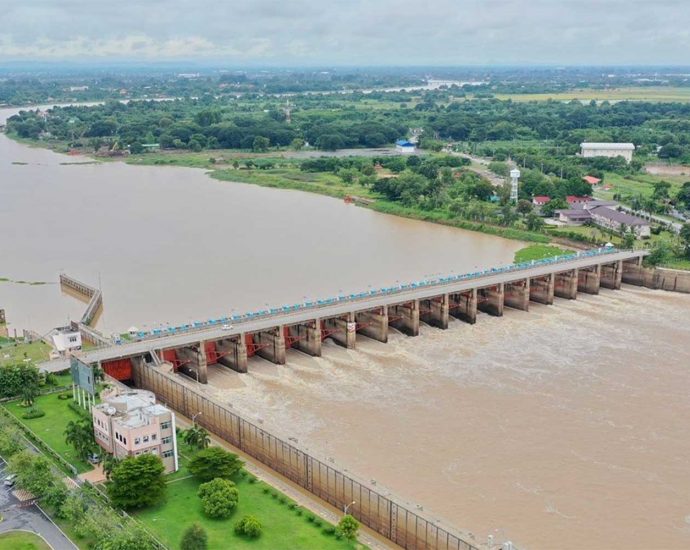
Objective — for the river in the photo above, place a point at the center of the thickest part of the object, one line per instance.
(562, 427)
(170, 245)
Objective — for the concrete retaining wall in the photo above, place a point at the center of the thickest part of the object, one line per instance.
(658, 278)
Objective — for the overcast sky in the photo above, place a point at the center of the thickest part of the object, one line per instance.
(350, 32)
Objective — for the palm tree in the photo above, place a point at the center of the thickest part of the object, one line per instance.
(79, 435)
(110, 462)
(196, 436)
(29, 393)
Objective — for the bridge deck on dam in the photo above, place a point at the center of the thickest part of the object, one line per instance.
(361, 304)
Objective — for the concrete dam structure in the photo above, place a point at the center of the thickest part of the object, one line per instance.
(270, 334)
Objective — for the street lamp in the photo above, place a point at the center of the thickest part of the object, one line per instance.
(194, 418)
(345, 508)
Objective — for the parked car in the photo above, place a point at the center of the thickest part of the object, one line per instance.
(10, 480)
(94, 458)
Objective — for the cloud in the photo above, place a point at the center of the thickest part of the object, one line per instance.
(350, 31)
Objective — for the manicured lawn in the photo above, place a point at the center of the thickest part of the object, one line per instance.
(21, 540)
(538, 252)
(282, 527)
(50, 428)
(11, 353)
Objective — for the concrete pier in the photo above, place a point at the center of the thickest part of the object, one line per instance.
(270, 344)
(490, 300)
(374, 323)
(516, 294)
(342, 330)
(193, 362)
(405, 317)
(588, 279)
(463, 306)
(232, 353)
(611, 275)
(306, 337)
(435, 311)
(565, 285)
(541, 289)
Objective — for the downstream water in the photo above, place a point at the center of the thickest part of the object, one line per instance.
(564, 427)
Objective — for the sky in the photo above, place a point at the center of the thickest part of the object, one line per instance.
(350, 32)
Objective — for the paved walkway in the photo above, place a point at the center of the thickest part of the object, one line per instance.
(295, 492)
(29, 518)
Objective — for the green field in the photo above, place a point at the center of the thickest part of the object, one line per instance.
(324, 183)
(22, 540)
(50, 428)
(651, 93)
(538, 252)
(282, 527)
(11, 354)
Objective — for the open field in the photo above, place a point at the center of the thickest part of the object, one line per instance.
(282, 526)
(538, 252)
(11, 354)
(638, 184)
(651, 93)
(22, 540)
(50, 428)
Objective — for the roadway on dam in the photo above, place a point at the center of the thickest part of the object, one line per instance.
(342, 307)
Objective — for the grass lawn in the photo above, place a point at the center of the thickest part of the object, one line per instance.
(538, 252)
(22, 540)
(11, 354)
(50, 428)
(282, 527)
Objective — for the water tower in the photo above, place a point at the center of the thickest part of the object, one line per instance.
(514, 177)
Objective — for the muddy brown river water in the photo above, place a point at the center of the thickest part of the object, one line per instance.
(562, 427)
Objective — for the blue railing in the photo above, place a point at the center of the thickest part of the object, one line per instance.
(383, 291)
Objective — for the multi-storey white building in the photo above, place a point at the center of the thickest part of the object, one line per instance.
(131, 423)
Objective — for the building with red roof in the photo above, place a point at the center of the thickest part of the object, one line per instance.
(574, 200)
(592, 180)
(541, 200)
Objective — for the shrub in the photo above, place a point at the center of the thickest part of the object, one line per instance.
(292, 506)
(318, 522)
(348, 526)
(64, 396)
(33, 412)
(218, 497)
(248, 526)
(330, 530)
(310, 518)
(299, 511)
(214, 462)
(252, 479)
(194, 538)
(282, 500)
(266, 490)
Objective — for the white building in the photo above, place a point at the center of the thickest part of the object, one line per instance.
(405, 147)
(610, 150)
(66, 339)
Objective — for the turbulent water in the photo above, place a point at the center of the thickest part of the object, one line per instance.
(562, 427)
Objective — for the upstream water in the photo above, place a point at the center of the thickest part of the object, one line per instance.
(564, 427)
(171, 245)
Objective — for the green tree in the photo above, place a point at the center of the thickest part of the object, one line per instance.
(196, 437)
(297, 144)
(534, 222)
(215, 462)
(137, 482)
(33, 472)
(348, 526)
(685, 238)
(11, 441)
(218, 498)
(260, 144)
(248, 526)
(79, 434)
(524, 207)
(194, 538)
